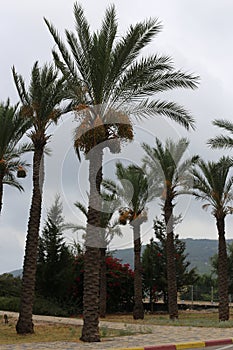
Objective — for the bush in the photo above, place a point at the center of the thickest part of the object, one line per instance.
(9, 303)
(48, 307)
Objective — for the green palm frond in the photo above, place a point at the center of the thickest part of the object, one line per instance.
(82, 208)
(41, 103)
(222, 141)
(224, 124)
(134, 189)
(211, 183)
(148, 108)
(12, 127)
(166, 168)
(21, 149)
(129, 47)
(20, 86)
(11, 181)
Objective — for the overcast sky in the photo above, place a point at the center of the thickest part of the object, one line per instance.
(196, 34)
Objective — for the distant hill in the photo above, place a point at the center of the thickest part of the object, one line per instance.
(16, 273)
(199, 252)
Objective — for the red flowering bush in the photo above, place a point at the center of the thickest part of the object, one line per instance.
(119, 284)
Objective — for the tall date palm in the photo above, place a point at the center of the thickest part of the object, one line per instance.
(109, 81)
(134, 193)
(41, 105)
(214, 184)
(166, 163)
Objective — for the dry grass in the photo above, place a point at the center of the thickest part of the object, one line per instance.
(205, 318)
(51, 332)
(44, 332)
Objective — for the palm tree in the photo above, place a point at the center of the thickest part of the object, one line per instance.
(134, 194)
(222, 141)
(109, 230)
(165, 163)
(12, 129)
(40, 104)
(213, 184)
(109, 81)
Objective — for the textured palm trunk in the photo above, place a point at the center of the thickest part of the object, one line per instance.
(138, 310)
(222, 272)
(103, 282)
(25, 324)
(90, 330)
(171, 264)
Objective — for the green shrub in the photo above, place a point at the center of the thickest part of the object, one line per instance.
(9, 303)
(47, 307)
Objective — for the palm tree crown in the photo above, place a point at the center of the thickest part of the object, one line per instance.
(12, 129)
(107, 74)
(165, 166)
(41, 102)
(213, 185)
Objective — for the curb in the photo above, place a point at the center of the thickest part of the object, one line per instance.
(180, 346)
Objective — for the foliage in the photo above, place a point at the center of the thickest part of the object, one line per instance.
(222, 141)
(119, 284)
(204, 288)
(54, 266)
(212, 183)
(214, 263)
(154, 263)
(10, 285)
(12, 129)
(9, 303)
(108, 74)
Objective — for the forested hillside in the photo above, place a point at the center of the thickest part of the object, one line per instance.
(199, 252)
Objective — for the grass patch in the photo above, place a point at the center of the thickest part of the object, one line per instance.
(51, 332)
(205, 318)
(44, 332)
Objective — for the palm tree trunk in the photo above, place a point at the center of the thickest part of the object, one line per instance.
(138, 310)
(25, 324)
(103, 282)
(222, 272)
(90, 330)
(171, 265)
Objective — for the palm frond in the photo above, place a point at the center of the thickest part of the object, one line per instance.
(221, 141)
(224, 124)
(11, 181)
(82, 208)
(147, 108)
